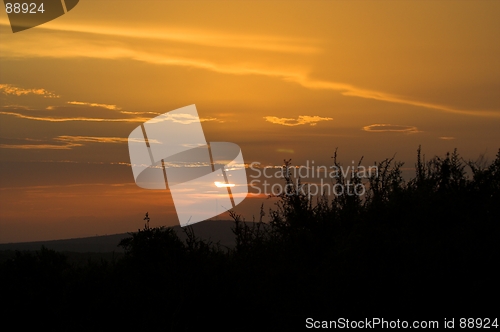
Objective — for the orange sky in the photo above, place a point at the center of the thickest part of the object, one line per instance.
(287, 79)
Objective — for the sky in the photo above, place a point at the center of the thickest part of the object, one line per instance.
(282, 79)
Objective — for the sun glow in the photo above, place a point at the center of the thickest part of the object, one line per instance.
(223, 185)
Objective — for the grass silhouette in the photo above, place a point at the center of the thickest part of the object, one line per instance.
(426, 248)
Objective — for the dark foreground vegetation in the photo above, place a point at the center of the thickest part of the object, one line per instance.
(420, 249)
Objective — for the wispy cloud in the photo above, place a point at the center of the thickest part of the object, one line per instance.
(201, 38)
(109, 107)
(59, 114)
(9, 89)
(36, 144)
(85, 119)
(80, 45)
(91, 139)
(382, 128)
(58, 143)
(301, 120)
(285, 150)
(121, 163)
(353, 91)
(181, 118)
(447, 138)
(137, 113)
(61, 119)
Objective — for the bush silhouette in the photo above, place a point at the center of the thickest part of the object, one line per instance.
(422, 248)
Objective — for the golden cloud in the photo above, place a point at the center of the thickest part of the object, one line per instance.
(382, 128)
(301, 120)
(9, 89)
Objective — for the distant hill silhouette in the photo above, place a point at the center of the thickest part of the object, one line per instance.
(214, 230)
(105, 243)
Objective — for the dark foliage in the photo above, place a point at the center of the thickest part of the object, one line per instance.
(422, 249)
